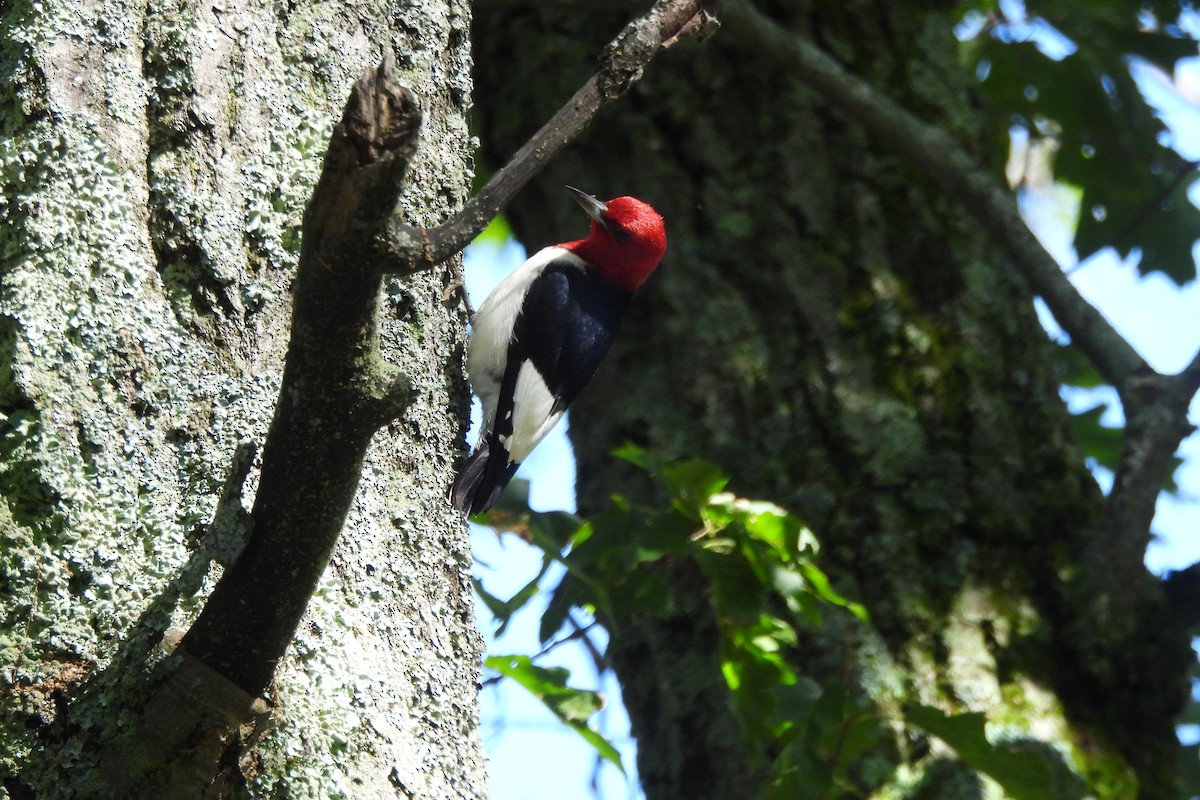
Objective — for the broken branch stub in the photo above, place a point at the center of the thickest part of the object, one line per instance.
(365, 165)
(337, 391)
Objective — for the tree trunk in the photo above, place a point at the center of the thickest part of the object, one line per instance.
(840, 337)
(155, 163)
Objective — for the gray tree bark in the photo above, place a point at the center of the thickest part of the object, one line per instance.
(840, 336)
(155, 162)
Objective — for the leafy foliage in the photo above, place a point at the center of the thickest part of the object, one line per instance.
(813, 735)
(1062, 73)
(1098, 442)
(573, 707)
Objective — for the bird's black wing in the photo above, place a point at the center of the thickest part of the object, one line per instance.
(568, 321)
(567, 325)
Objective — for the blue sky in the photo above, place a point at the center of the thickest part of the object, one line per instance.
(532, 757)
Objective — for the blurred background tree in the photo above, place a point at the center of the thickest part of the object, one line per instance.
(845, 324)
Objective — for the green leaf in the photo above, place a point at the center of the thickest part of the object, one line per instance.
(1170, 485)
(554, 530)
(795, 702)
(1024, 774)
(577, 589)
(855, 736)
(496, 234)
(794, 589)
(692, 483)
(830, 710)
(503, 610)
(824, 590)
(1075, 370)
(513, 502)
(638, 456)
(659, 535)
(762, 521)
(1140, 207)
(798, 775)
(562, 599)
(1113, 29)
(1134, 188)
(494, 604)
(573, 707)
(771, 525)
(1097, 441)
(1190, 715)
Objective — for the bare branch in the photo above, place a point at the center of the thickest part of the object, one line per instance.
(409, 249)
(336, 392)
(940, 156)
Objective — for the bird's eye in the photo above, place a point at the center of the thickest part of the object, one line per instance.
(620, 234)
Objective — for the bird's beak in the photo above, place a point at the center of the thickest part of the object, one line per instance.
(594, 208)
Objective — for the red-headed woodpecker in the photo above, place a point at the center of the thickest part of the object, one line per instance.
(541, 334)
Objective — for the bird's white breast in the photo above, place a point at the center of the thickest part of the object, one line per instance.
(494, 322)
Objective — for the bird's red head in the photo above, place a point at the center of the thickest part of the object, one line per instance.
(626, 242)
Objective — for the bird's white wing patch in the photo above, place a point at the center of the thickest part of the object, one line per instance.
(533, 413)
(493, 325)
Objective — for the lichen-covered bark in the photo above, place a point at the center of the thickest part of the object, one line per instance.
(154, 164)
(839, 336)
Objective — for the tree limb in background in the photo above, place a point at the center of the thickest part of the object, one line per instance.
(1155, 405)
(937, 153)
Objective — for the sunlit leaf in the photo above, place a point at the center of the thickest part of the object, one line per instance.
(820, 584)
(765, 587)
(638, 456)
(573, 707)
(497, 233)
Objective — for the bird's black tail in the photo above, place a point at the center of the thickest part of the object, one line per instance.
(482, 477)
